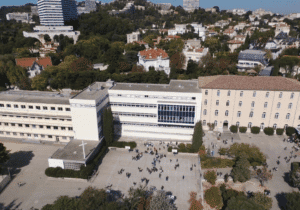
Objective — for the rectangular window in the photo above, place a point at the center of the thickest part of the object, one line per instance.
(48, 127)
(45, 108)
(50, 136)
(43, 136)
(64, 137)
(33, 126)
(27, 125)
(38, 107)
(13, 124)
(240, 103)
(70, 128)
(54, 119)
(7, 133)
(63, 128)
(21, 134)
(53, 108)
(41, 126)
(16, 106)
(8, 105)
(1, 105)
(47, 118)
(60, 108)
(23, 106)
(30, 107)
(14, 133)
(35, 135)
(55, 128)
(6, 124)
(20, 125)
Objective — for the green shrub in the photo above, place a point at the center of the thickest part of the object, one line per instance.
(122, 144)
(269, 131)
(255, 130)
(233, 129)
(213, 162)
(279, 131)
(211, 177)
(170, 149)
(243, 129)
(213, 197)
(226, 178)
(181, 146)
(290, 131)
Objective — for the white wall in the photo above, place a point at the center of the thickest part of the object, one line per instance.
(55, 163)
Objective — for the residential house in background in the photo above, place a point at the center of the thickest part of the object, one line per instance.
(133, 37)
(156, 58)
(34, 66)
(238, 41)
(282, 27)
(212, 33)
(230, 32)
(237, 11)
(222, 23)
(249, 59)
(194, 54)
(190, 5)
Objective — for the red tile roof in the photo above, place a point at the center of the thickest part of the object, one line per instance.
(235, 42)
(228, 31)
(28, 62)
(153, 53)
(200, 50)
(173, 37)
(235, 82)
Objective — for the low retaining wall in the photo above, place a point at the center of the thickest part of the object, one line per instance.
(66, 179)
(5, 179)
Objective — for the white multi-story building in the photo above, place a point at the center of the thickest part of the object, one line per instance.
(182, 28)
(24, 17)
(156, 58)
(282, 27)
(133, 37)
(190, 5)
(194, 54)
(56, 12)
(237, 11)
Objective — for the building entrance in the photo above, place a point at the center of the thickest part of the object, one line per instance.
(225, 124)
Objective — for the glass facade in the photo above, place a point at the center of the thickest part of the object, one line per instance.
(176, 114)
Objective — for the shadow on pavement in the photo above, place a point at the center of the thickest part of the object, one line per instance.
(18, 160)
(287, 179)
(10, 206)
(281, 200)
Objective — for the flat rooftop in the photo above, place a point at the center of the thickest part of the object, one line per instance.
(73, 152)
(27, 96)
(94, 91)
(188, 86)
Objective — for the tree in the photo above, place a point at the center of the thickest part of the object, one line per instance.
(3, 154)
(194, 203)
(211, 176)
(295, 177)
(263, 200)
(241, 172)
(197, 137)
(47, 38)
(138, 198)
(108, 126)
(81, 64)
(161, 201)
(263, 175)
(62, 203)
(241, 202)
(213, 197)
(293, 200)
(223, 151)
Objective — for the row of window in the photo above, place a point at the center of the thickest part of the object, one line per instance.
(239, 113)
(52, 108)
(30, 135)
(116, 114)
(35, 126)
(252, 104)
(152, 96)
(158, 125)
(176, 108)
(40, 118)
(134, 105)
(254, 94)
(262, 125)
(175, 119)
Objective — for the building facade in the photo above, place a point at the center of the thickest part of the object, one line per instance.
(249, 59)
(56, 12)
(250, 101)
(190, 5)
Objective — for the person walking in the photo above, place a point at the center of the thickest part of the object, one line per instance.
(232, 139)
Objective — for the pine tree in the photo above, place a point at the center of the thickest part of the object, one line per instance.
(108, 126)
(197, 137)
(241, 171)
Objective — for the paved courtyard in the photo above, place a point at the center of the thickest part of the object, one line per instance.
(29, 162)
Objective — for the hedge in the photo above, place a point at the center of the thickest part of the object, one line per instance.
(269, 131)
(279, 131)
(243, 129)
(255, 130)
(213, 162)
(122, 144)
(83, 173)
(183, 148)
(290, 131)
(233, 128)
(213, 197)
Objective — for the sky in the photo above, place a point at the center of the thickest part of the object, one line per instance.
(282, 7)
